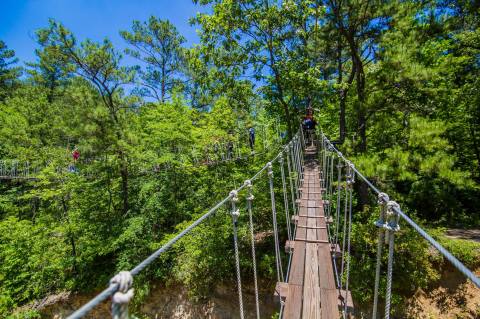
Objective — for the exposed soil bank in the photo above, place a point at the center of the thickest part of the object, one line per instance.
(452, 297)
(169, 302)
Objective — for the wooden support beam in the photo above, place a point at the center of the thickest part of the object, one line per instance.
(312, 227)
(281, 290)
(311, 216)
(335, 251)
(289, 246)
(319, 241)
(341, 301)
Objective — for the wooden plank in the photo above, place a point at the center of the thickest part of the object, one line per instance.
(303, 210)
(322, 233)
(301, 232)
(313, 203)
(311, 222)
(311, 290)
(293, 303)
(298, 262)
(321, 221)
(327, 279)
(329, 302)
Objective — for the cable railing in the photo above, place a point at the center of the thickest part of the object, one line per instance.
(120, 286)
(388, 223)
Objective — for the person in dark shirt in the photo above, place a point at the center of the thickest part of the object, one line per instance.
(251, 138)
(309, 124)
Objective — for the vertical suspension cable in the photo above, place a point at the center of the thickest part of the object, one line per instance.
(235, 214)
(330, 197)
(327, 187)
(382, 201)
(250, 198)
(302, 162)
(295, 165)
(337, 220)
(290, 180)
(293, 178)
(339, 195)
(393, 227)
(299, 160)
(350, 183)
(285, 197)
(344, 232)
(299, 157)
(324, 162)
(275, 230)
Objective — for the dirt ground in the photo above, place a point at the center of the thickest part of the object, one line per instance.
(454, 296)
(470, 234)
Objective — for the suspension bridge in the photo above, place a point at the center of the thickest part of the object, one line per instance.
(314, 281)
(215, 154)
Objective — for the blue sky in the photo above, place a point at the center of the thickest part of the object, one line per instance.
(94, 19)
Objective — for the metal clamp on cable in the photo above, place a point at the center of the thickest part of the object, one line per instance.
(270, 170)
(350, 179)
(234, 212)
(383, 199)
(393, 216)
(122, 297)
(248, 184)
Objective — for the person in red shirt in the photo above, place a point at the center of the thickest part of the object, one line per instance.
(75, 154)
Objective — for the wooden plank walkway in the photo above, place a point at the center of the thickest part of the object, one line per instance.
(311, 292)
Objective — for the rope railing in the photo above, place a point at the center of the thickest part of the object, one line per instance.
(120, 287)
(388, 225)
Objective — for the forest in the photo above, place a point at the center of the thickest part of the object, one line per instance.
(163, 138)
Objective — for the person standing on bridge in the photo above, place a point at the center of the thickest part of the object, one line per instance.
(75, 156)
(309, 125)
(251, 138)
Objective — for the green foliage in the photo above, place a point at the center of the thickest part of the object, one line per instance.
(423, 168)
(467, 251)
(400, 78)
(413, 268)
(8, 73)
(156, 43)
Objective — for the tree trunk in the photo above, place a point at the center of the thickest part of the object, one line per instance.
(280, 95)
(163, 84)
(70, 236)
(341, 91)
(124, 176)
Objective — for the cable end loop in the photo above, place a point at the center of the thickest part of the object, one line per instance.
(234, 196)
(383, 198)
(124, 294)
